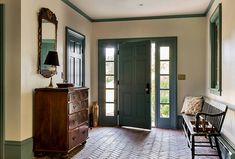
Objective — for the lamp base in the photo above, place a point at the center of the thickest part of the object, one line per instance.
(51, 84)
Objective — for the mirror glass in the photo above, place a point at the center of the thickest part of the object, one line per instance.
(47, 40)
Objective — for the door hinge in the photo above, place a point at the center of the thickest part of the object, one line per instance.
(118, 82)
(118, 112)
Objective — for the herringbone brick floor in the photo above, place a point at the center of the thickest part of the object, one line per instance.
(122, 143)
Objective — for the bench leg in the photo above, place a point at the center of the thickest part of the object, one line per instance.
(193, 147)
(188, 135)
(217, 147)
(209, 137)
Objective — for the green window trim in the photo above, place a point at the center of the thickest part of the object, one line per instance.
(215, 37)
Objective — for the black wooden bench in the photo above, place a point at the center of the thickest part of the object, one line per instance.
(207, 123)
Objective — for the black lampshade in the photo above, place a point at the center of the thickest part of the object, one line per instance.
(52, 58)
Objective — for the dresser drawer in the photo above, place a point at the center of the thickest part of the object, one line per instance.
(73, 107)
(83, 132)
(77, 118)
(73, 97)
(82, 116)
(82, 94)
(78, 135)
(74, 138)
(84, 104)
(73, 121)
(77, 106)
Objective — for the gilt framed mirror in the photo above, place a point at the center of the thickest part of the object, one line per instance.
(47, 39)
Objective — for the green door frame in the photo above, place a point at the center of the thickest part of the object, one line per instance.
(104, 121)
(1, 81)
(71, 33)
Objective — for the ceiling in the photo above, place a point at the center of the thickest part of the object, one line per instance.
(116, 9)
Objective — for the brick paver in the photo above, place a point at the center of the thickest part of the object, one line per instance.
(122, 143)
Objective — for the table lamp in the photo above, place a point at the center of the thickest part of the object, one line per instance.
(52, 59)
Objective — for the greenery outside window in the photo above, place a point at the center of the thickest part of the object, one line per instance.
(215, 37)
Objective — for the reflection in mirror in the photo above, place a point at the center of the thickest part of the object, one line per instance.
(48, 42)
(47, 39)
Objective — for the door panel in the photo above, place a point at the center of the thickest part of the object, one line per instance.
(134, 75)
(166, 83)
(75, 58)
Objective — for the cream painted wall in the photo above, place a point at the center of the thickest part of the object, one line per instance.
(228, 65)
(191, 35)
(12, 69)
(29, 78)
(21, 58)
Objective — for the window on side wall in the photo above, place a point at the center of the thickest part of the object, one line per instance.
(215, 37)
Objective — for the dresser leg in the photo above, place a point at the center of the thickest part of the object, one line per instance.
(83, 143)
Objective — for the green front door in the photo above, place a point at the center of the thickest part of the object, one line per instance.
(124, 83)
(134, 84)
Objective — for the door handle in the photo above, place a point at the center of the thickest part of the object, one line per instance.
(147, 89)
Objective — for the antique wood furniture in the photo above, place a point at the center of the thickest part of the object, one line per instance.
(60, 119)
(207, 123)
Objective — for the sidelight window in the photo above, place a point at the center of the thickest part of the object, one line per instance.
(109, 82)
(164, 82)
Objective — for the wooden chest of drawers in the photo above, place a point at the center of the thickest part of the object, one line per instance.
(60, 119)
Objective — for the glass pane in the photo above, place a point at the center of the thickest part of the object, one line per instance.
(109, 68)
(109, 107)
(165, 53)
(164, 67)
(109, 81)
(164, 82)
(109, 54)
(164, 111)
(164, 96)
(109, 95)
(153, 95)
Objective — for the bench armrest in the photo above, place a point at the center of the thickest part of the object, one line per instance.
(208, 114)
(197, 116)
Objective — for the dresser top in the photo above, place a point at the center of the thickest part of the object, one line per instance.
(61, 89)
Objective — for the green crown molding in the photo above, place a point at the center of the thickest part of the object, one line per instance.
(150, 18)
(79, 11)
